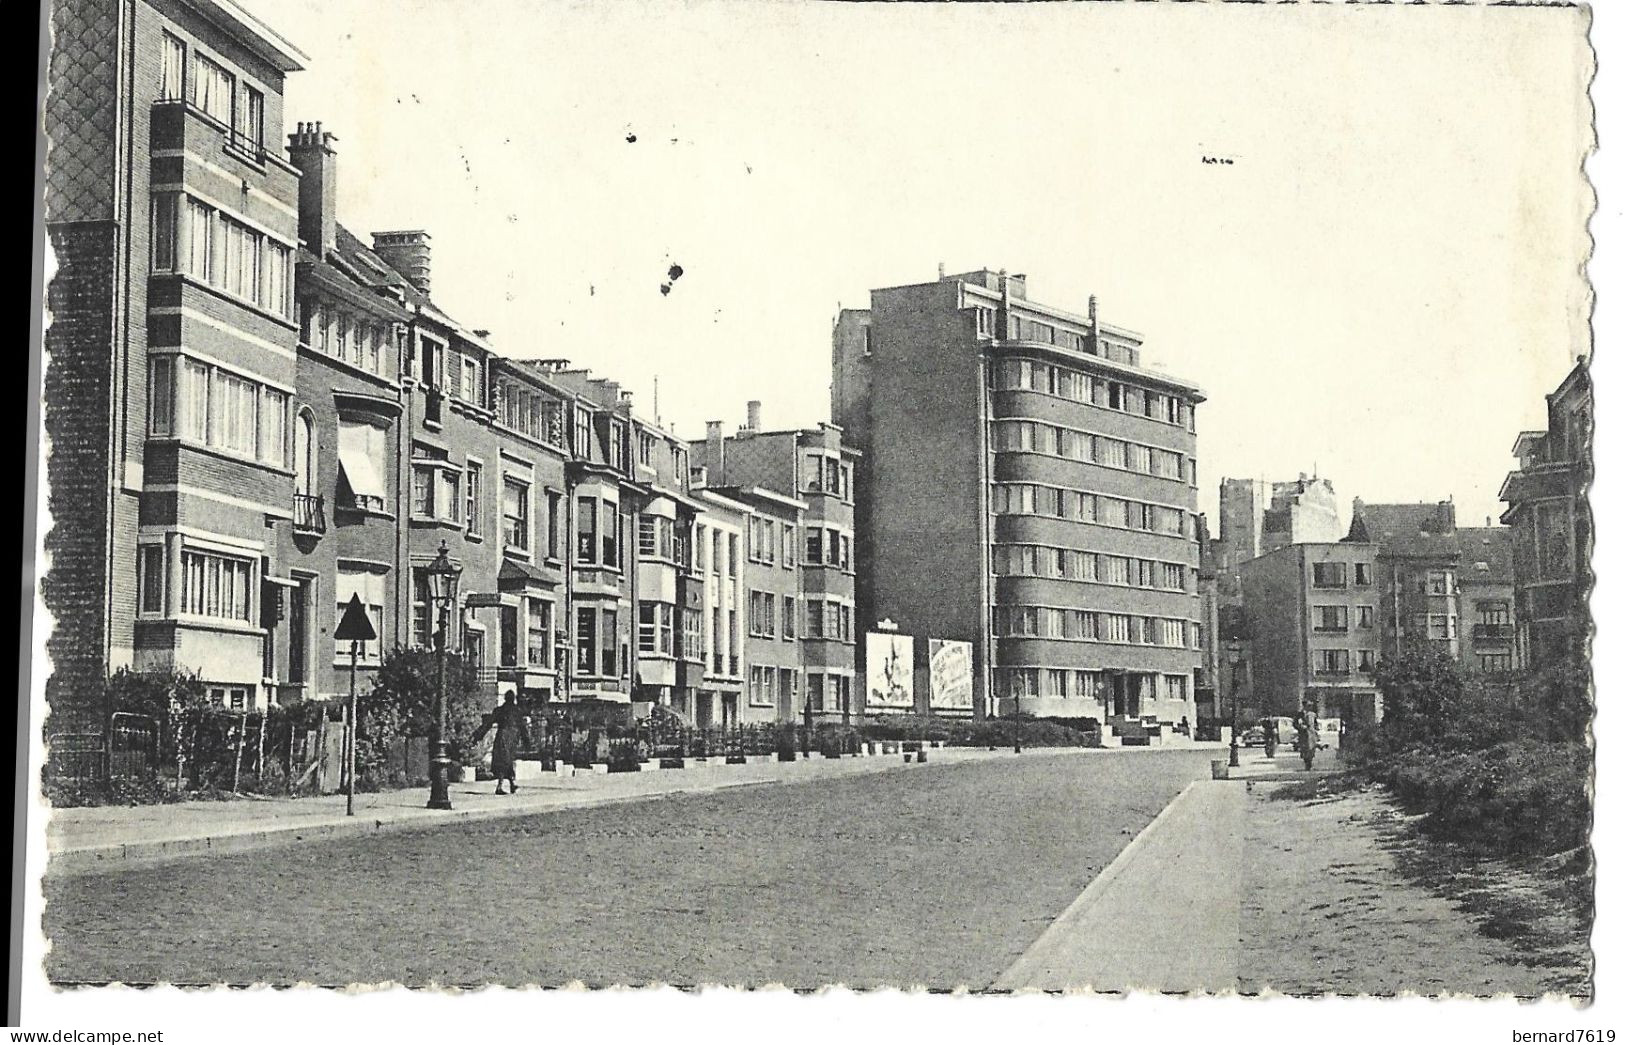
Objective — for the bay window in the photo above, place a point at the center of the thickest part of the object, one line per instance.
(214, 585)
(363, 462)
(587, 530)
(539, 633)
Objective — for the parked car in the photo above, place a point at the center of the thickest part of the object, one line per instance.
(1253, 736)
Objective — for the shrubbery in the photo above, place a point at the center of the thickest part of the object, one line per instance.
(1502, 766)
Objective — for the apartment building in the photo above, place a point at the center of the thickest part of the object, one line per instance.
(1315, 626)
(172, 214)
(1550, 518)
(1443, 588)
(1028, 485)
(720, 534)
(774, 642)
(813, 469)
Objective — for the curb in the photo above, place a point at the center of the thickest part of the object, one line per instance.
(1022, 972)
(90, 859)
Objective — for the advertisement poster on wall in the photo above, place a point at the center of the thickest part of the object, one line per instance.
(950, 675)
(890, 671)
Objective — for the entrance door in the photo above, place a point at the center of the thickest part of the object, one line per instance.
(1119, 695)
(702, 711)
(298, 631)
(730, 710)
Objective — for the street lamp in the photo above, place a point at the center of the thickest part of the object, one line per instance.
(442, 575)
(1235, 711)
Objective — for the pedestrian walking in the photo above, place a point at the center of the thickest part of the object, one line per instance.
(1272, 736)
(1308, 734)
(512, 735)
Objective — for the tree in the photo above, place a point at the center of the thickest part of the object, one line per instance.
(401, 703)
(1421, 696)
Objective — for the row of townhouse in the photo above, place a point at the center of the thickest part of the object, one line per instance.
(256, 415)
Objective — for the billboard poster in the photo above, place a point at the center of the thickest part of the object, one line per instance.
(889, 669)
(950, 675)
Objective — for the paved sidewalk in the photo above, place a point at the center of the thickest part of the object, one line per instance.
(101, 837)
(1164, 916)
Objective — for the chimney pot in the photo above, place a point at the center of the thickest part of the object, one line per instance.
(753, 415)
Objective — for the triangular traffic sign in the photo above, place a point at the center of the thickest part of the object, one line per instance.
(355, 625)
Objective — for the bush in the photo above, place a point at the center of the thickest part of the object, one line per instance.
(1523, 796)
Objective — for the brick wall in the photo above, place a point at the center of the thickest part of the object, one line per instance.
(78, 345)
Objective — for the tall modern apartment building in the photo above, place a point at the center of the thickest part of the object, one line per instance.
(173, 214)
(1027, 485)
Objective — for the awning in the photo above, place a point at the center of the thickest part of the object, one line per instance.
(516, 575)
(359, 473)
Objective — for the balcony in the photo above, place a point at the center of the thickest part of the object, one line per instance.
(1492, 632)
(309, 513)
(1326, 672)
(1331, 629)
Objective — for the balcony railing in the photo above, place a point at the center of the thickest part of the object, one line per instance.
(1492, 631)
(309, 513)
(245, 145)
(1333, 672)
(1339, 629)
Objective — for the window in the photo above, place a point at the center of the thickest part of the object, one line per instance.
(252, 129)
(586, 640)
(539, 633)
(423, 491)
(1365, 617)
(1496, 614)
(422, 624)
(165, 230)
(1331, 618)
(788, 623)
(582, 433)
(1553, 546)
(149, 578)
(846, 553)
(788, 541)
(1331, 662)
(212, 88)
(1441, 626)
(815, 545)
(617, 445)
(555, 505)
(655, 538)
(693, 627)
(761, 686)
(1329, 575)
(655, 628)
(1494, 662)
(172, 86)
(611, 536)
(609, 634)
(1367, 662)
(762, 608)
(473, 493)
(815, 690)
(515, 513)
(470, 390)
(363, 461)
(273, 432)
(733, 555)
(233, 421)
(1362, 574)
(1441, 582)
(214, 585)
(646, 449)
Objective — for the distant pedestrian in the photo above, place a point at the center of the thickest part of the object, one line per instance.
(1308, 734)
(1272, 736)
(512, 735)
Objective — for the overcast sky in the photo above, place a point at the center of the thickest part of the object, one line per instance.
(1383, 284)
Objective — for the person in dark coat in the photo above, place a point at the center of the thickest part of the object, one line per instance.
(512, 736)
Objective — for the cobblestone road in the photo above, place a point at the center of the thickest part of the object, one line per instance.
(935, 876)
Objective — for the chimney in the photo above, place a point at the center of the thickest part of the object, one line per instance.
(753, 416)
(407, 252)
(942, 272)
(311, 150)
(715, 449)
(1094, 317)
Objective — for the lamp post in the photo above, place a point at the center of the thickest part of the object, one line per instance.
(442, 575)
(1235, 711)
